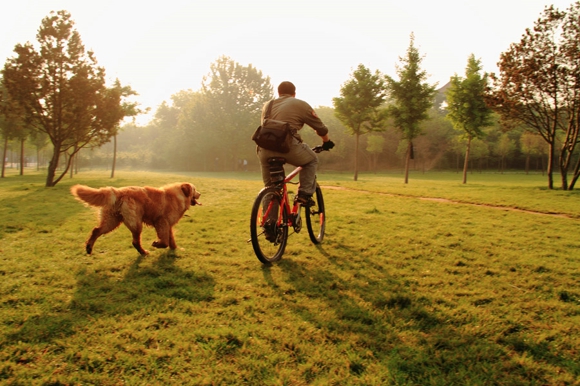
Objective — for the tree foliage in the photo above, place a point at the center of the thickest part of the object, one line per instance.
(539, 85)
(531, 144)
(232, 98)
(208, 129)
(375, 145)
(411, 98)
(359, 106)
(504, 147)
(466, 105)
(62, 91)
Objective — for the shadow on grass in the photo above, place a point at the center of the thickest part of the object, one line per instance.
(34, 207)
(101, 294)
(408, 333)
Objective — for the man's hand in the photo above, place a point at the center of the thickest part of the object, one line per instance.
(327, 145)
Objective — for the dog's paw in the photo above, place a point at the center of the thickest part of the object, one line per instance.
(159, 244)
(139, 249)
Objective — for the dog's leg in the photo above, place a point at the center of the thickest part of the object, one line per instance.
(159, 244)
(108, 223)
(163, 234)
(91, 241)
(172, 244)
(137, 241)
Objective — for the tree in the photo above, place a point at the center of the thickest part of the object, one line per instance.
(411, 99)
(466, 106)
(8, 124)
(358, 107)
(39, 141)
(436, 141)
(531, 144)
(6, 130)
(62, 91)
(375, 145)
(571, 58)
(479, 151)
(232, 97)
(21, 136)
(504, 147)
(12, 126)
(538, 85)
(130, 109)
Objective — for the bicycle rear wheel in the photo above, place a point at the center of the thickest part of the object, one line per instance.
(268, 226)
(316, 217)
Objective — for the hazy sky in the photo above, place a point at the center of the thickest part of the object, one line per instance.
(162, 47)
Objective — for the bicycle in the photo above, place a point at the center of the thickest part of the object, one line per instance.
(272, 217)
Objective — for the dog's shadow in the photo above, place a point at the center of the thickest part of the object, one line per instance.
(144, 285)
(144, 288)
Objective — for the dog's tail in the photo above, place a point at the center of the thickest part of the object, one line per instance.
(94, 197)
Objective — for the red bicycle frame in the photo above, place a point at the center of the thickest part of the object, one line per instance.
(284, 203)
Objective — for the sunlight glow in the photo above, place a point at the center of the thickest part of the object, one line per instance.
(160, 49)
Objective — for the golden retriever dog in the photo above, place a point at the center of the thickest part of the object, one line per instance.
(134, 206)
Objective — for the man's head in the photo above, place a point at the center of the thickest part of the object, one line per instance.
(286, 88)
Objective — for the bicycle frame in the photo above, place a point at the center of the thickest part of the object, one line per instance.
(285, 202)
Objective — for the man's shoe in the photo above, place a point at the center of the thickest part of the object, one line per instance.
(305, 200)
(270, 230)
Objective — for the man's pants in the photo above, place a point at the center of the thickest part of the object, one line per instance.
(300, 154)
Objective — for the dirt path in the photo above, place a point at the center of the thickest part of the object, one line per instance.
(445, 200)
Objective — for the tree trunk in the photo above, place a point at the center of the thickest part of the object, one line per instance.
(52, 165)
(528, 163)
(549, 168)
(114, 156)
(4, 156)
(356, 156)
(576, 175)
(73, 160)
(72, 163)
(563, 161)
(68, 165)
(407, 162)
(466, 162)
(22, 157)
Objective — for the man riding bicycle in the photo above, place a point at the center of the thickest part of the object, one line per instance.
(297, 113)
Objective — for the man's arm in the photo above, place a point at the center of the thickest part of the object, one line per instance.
(313, 121)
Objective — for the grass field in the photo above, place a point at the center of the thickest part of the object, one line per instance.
(429, 283)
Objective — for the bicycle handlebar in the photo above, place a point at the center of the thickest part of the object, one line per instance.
(326, 146)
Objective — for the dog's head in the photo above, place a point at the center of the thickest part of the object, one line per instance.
(191, 192)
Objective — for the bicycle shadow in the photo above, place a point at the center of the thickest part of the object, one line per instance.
(101, 294)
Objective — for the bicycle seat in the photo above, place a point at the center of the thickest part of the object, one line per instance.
(276, 160)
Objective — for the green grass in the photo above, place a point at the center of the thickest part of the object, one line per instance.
(403, 290)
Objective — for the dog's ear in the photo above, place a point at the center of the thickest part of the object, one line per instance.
(187, 189)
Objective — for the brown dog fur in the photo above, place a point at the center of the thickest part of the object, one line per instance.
(134, 206)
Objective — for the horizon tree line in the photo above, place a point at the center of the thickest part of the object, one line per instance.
(58, 95)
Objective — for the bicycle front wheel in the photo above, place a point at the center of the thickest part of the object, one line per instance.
(269, 226)
(316, 217)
